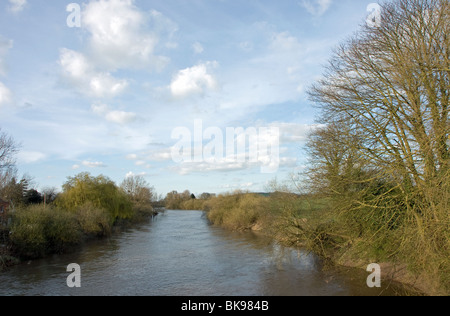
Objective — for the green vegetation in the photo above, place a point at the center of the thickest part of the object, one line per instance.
(237, 211)
(89, 207)
(37, 231)
(378, 181)
(100, 191)
(379, 172)
(185, 201)
(383, 157)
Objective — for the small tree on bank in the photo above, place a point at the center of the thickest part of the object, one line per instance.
(101, 192)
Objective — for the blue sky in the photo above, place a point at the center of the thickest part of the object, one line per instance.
(106, 97)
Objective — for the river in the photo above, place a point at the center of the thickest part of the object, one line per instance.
(178, 253)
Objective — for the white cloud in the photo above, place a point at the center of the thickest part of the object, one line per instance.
(198, 48)
(17, 5)
(121, 37)
(274, 74)
(121, 117)
(246, 46)
(194, 80)
(204, 167)
(131, 157)
(118, 117)
(294, 133)
(132, 174)
(75, 167)
(103, 84)
(316, 7)
(81, 73)
(5, 95)
(5, 46)
(92, 164)
(27, 157)
(164, 154)
(141, 163)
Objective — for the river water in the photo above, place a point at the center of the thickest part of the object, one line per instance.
(180, 254)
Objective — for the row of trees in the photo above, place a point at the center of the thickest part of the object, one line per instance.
(48, 221)
(185, 200)
(76, 191)
(21, 192)
(12, 189)
(88, 207)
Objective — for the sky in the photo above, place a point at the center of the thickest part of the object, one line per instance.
(152, 88)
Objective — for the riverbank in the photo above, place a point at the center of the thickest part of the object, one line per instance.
(312, 223)
(180, 253)
(72, 233)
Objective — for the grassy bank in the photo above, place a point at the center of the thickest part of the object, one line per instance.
(38, 230)
(354, 240)
(88, 208)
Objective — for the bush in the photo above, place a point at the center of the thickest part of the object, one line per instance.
(93, 221)
(38, 230)
(100, 191)
(193, 204)
(142, 212)
(237, 212)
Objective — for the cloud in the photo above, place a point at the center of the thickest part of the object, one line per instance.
(123, 37)
(275, 73)
(132, 174)
(121, 117)
(91, 164)
(291, 133)
(131, 157)
(118, 117)
(164, 154)
(198, 48)
(27, 157)
(5, 95)
(238, 186)
(5, 46)
(120, 37)
(81, 73)
(141, 163)
(17, 5)
(265, 162)
(204, 167)
(316, 7)
(193, 81)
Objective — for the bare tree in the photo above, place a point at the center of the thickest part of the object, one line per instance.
(8, 149)
(138, 189)
(8, 171)
(335, 162)
(388, 86)
(49, 194)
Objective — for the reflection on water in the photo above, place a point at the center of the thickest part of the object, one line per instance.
(179, 253)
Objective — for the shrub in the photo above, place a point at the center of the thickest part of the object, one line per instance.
(100, 191)
(238, 212)
(93, 221)
(38, 230)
